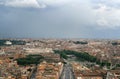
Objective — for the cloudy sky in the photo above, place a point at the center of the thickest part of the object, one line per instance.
(59, 18)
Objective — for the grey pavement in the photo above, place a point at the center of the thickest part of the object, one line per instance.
(67, 72)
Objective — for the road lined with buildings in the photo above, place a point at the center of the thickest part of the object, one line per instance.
(67, 72)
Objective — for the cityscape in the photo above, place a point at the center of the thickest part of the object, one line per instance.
(59, 39)
(59, 59)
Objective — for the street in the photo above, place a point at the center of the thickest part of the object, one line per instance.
(67, 72)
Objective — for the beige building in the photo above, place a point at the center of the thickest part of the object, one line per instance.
(49, 70)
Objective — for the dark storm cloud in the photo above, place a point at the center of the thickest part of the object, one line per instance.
(60, 19)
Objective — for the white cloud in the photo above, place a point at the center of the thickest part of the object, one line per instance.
(33, 3)
(107, 13)
(103, 8)
(54, 2)
(22, 3)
